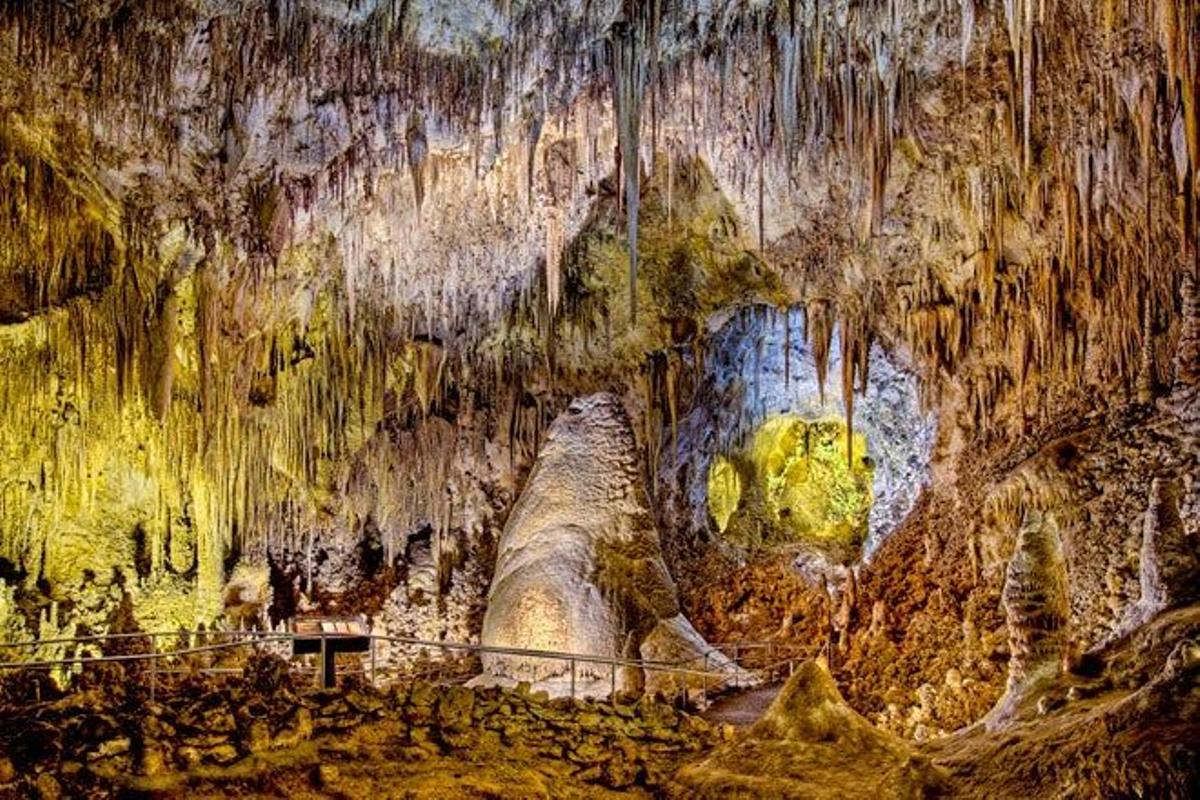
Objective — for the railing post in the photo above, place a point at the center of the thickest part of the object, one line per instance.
(372, 641)
(572, 679)
(153, 668)
(321, 666)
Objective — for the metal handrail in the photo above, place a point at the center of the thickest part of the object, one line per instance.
(151, 656)
(740, 647)
(683, 668)
(104, 637)
(550, 655)
(259, 637)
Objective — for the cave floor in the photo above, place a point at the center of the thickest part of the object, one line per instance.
(1128, 729)
(1116, 735)
(743, 709)
(371, 761)
(1124, 724)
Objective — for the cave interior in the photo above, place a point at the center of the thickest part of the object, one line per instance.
(648, 398)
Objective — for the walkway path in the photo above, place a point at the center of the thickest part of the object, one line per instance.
(744, 708)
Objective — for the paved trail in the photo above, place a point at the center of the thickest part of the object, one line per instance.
(743, 709)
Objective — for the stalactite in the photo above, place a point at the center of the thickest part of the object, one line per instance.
(787, 348)
(537, 119)
(967, 7)
(850, 344)
(819, 331)
(630, 66)
(418, 151)
(673, 377)
(554, 250)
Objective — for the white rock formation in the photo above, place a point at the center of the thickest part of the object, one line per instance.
(580, 569)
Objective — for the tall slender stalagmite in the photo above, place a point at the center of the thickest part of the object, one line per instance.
(1036, 602)
(1169, 571)
(1187, 356)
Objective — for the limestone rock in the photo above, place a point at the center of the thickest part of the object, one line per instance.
(810, 743)
(47, 787)
(1170, 572)
(810, 708)
(579, 567)
(1187, 358)
(675, 640)
(1036, 601)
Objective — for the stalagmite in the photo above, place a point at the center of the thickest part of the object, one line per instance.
(1036, 602)
(1187, 356)
(1145, 374)
(1169, 570)
(579, 567)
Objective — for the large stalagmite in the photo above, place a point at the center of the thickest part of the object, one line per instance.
(580, 569)
(1169, 570)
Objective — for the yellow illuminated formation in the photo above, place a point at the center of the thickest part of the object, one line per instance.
(794, 482)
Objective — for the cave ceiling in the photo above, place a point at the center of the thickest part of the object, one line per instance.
(909, 165)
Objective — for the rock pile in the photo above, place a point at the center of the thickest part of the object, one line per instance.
(98, 741)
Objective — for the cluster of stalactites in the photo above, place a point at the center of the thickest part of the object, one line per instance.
(183, 415)
(56, 241)
(816, 78)
(1108, 182)
(1089, 181)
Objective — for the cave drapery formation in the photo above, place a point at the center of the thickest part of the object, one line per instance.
(291, 292)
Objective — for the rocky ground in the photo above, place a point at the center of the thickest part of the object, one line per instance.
(264, 735)
(1122, 722)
